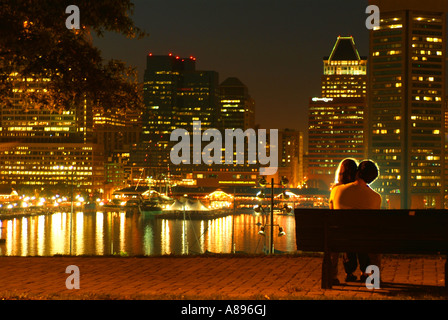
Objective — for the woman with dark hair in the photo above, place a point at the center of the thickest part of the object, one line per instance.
(346, 173)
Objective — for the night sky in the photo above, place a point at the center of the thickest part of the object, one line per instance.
(274, 47)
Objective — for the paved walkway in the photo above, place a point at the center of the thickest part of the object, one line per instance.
(210, 277)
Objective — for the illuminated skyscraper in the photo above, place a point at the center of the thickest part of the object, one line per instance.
(406, 101)
(345, 71)
(237, 107)
(336, 131)
(175, 95)
(337, 119)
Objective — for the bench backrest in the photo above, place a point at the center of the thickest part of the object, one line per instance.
(372, 231)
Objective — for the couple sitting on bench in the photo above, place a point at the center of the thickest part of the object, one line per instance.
(352, 191)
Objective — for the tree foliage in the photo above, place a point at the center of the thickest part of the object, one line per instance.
(35, 45)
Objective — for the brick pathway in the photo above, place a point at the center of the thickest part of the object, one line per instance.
(210, 277)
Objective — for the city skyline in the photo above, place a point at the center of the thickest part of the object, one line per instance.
(177, 90)
(276, 58)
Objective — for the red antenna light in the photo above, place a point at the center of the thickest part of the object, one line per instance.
(177, 57)
(170, 54)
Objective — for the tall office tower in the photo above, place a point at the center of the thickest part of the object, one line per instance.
(43, 149)
(337, 126)
(237, 107)
(345, 71)
(175, 95)
(406, 101)
(336, 131)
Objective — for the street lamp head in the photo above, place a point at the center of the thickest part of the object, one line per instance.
(287, 208)
(284, 181)
(262, 182)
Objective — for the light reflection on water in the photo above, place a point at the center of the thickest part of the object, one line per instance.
(105, 233)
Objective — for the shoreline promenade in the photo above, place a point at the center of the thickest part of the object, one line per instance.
(213, 277)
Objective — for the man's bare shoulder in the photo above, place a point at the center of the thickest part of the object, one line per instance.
(377, 195)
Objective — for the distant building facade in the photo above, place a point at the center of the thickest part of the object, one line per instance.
(237, 108)
(42, 149)
(118, 131)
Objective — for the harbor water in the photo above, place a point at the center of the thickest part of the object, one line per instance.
(141, 234)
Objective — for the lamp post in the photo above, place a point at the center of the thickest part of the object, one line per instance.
(233, 221)
(263, 183)
(184, 226)
(71, 211)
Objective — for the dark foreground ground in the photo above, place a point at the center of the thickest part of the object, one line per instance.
(212, 277)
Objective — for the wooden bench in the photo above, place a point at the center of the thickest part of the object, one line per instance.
(371, 231)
